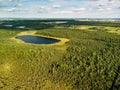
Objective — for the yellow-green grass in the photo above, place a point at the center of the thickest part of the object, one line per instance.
(82, 27)
(91, 28)
(112, 30)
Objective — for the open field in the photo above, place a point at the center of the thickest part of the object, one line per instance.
(86, 58)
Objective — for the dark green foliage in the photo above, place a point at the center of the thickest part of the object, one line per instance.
(89, 61)
(95, 23)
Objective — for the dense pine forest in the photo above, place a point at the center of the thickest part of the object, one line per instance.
(90, 60)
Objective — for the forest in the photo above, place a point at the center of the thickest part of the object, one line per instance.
(90, 60)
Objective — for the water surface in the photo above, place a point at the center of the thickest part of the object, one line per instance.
(37, 39)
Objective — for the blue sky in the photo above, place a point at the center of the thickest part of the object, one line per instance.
(60, 8)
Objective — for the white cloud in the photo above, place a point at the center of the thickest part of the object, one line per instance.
(79, 9)
(64, 7)
(56, 6)
(64, 12)
(11, 9)
(71, 11)
(44, 8)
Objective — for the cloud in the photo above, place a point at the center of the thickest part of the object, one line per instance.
(64, 12)
(71, 11)
(80, 8)
(56, 6)
(11, 9)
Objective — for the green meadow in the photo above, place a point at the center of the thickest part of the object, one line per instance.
(86, 58)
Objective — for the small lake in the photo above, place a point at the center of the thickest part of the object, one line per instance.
(8, 25)
(37, 39)
(21, 27)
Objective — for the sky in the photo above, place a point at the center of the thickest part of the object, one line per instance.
(60, 8)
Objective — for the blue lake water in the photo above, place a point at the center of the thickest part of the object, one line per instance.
(37, 39)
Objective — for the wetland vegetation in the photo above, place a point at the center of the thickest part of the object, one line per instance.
(87, 59)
